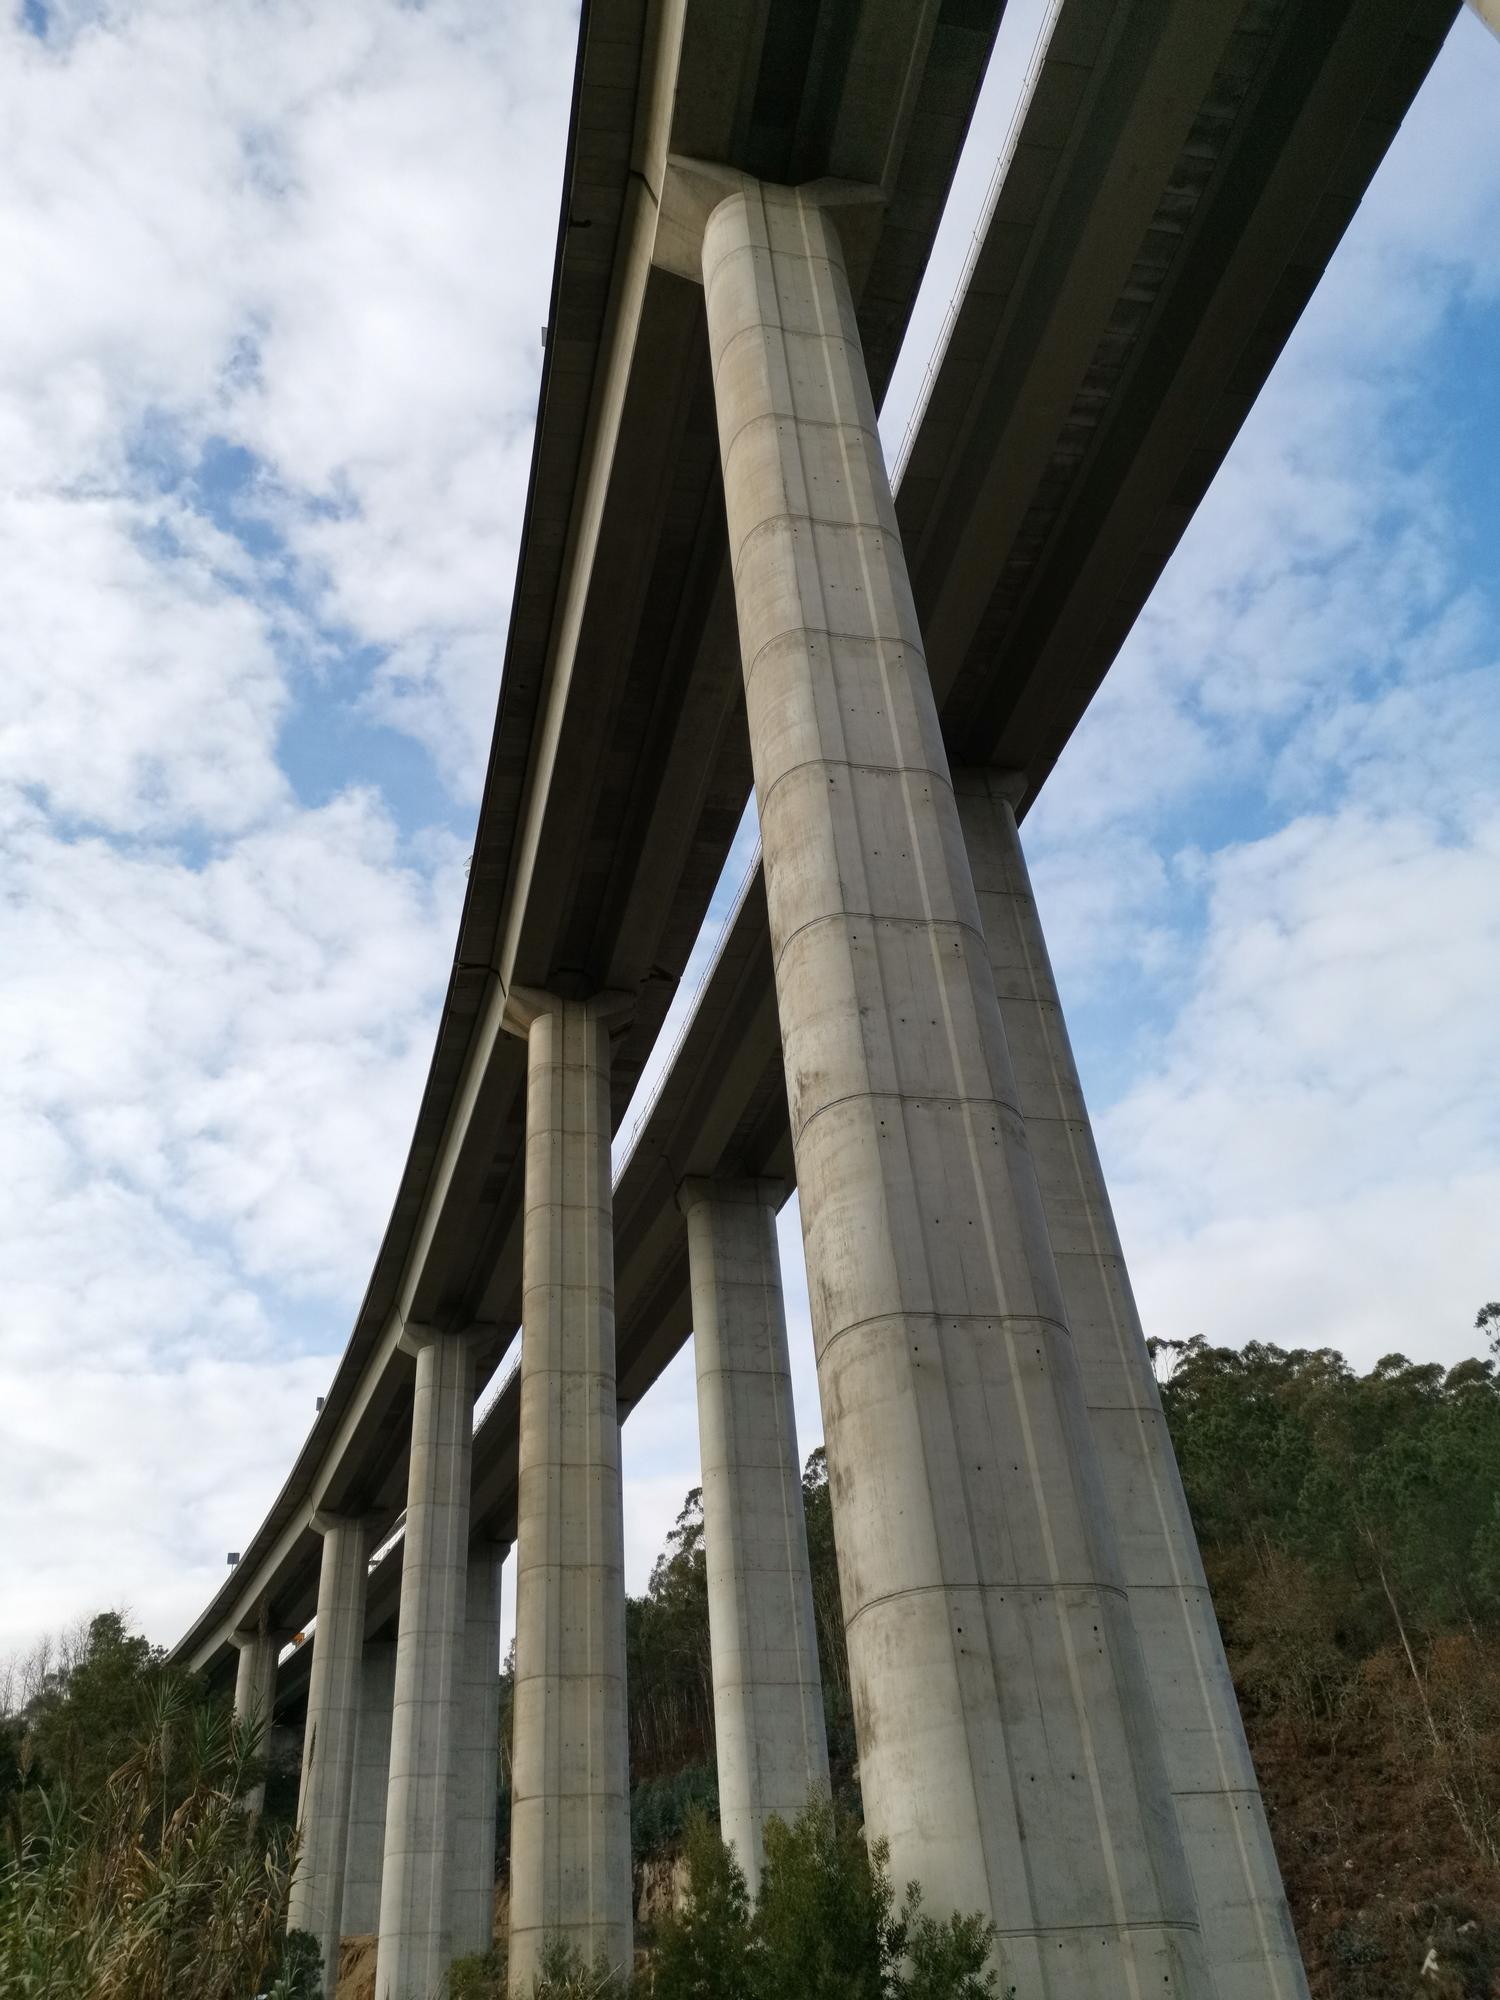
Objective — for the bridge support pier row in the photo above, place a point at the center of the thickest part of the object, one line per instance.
(414, 1952)
(570, 1818)
(471, 1884)
(333, 1691)
(372, 1765)
(768, 1693)
(255, 1693)
(1247, 1931)
(1009, 1750)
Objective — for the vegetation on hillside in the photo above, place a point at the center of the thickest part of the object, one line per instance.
(825, 1926)
(129, 1868)
(1350, 1526)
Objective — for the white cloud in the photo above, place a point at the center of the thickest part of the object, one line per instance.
(242, 1042)
(322, 234)
(208, 1078)
(126, 1485)
(143, 693)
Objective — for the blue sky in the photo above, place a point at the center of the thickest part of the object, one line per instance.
(268, 360)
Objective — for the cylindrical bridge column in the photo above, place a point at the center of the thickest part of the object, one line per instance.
(365, 1863)
(1008, 1746)
(255, 1695)
(768, 1694)
(415, 1950)
(570, 1820)
(1247, 1933)
(471, 1886)
(317, 1896)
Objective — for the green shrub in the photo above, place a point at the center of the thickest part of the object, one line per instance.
(661, 1809)
(825, 1924)
(703, 1951)
(564, 1976)
(157, 1885)
(481, 1977)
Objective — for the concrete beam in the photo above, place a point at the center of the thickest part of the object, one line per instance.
(768, 1692)
(1008, 1746)
(570, 1820)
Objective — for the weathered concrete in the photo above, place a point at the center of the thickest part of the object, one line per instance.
(365, 1860)
(768, 1693)
(1247, 1931)
(471, 1880)
(255, 1693)
(1009, 1748)
(415, 1952)
(570, 1820)
(317, 1897)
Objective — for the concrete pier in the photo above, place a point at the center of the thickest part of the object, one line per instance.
(471, 1879)
(570, 1821)
(1009, 1748)
(415, 1949)
(333, 1689)
(768, 1693)
(1247, 1933)
(255, 1694)
(365, 1860)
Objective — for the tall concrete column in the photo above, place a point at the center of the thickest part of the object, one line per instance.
(768, 1692)
(415, 1949)
(1009, 1750)
(471, 1883)
(365, 1860)
(570, 1818)
(317, 1896)
(1247, 1932)
(255, 1694)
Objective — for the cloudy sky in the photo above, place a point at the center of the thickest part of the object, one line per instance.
(273, 276)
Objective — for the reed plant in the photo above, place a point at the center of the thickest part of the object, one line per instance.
(159, 1885)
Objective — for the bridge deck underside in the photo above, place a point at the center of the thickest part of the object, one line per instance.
(1179, 181)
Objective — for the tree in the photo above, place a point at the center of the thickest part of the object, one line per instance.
(825, 1922)
(828, 1617)
(85, 1715)
(704, 1949)
(668, 1669)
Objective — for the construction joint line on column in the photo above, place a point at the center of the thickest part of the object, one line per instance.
(928, 773)
(898, 642)
(1023, 1586)
(955, 924)
(933, 1098)
(921, 1316)
(765, 417)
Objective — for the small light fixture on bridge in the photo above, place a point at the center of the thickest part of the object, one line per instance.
(321, 1401)
(234, 1558)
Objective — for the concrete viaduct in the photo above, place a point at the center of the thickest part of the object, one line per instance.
(717, 591)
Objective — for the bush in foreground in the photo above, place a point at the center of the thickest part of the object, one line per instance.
(824, 1927)
(156, 1885)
